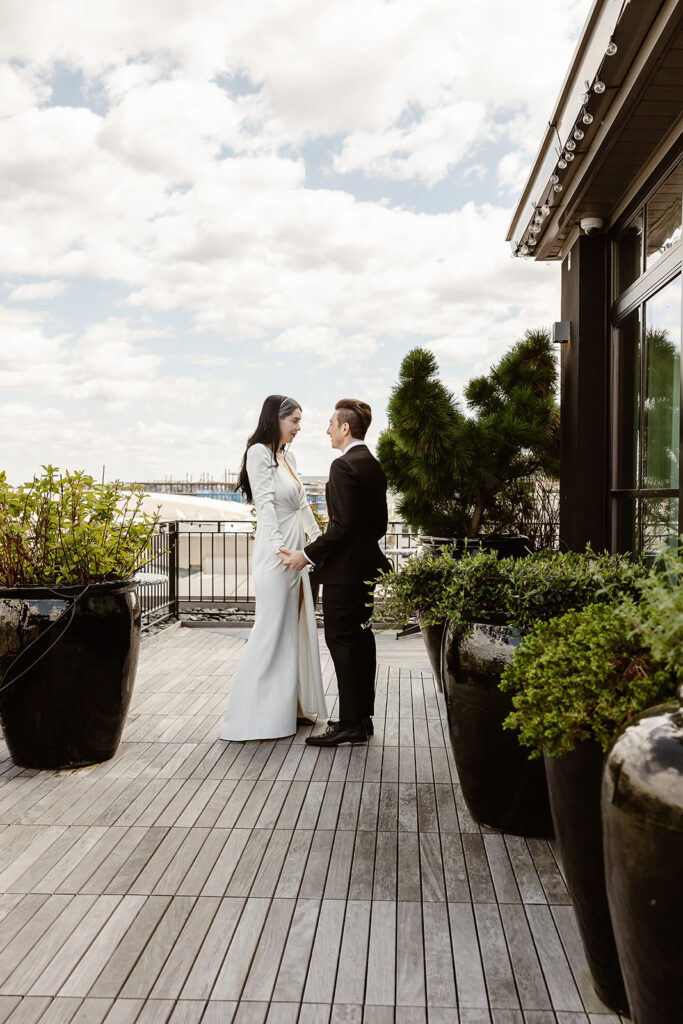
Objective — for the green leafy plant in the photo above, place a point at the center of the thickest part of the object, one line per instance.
(416, 588)
(583, 676)
(459, 473)
(487, 588)
(657, 613)
(68, 529)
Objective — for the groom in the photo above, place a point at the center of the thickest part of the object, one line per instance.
(346, 556)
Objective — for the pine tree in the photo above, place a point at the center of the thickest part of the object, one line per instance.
(463, 473)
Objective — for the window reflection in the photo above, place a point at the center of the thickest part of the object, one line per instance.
(628, 256)
(658, 525)
(662, 388)
(628, 391)
(664, 217)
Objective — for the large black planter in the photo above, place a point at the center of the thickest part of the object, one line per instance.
(501, 786)
(68, 657)
(433, 638)
(516, 546)
(574, 786)
(642, 807)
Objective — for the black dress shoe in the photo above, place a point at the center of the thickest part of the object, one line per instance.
(338, 733)
(369, 727)
(302, 720)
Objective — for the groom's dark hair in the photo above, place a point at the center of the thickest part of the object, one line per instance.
(357, 414)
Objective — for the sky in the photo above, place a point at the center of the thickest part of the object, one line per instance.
(206, 202)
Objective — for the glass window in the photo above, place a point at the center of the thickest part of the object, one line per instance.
(658, 524)
(663, 217)
(646, 524)
(628, 256)
(628, 392)
(662, 388)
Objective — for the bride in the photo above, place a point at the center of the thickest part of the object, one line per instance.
(281, 662)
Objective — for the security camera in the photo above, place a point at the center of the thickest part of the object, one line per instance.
(591, 225)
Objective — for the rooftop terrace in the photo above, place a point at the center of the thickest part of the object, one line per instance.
(191, 880)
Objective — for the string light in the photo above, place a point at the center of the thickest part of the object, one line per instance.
(611, 49)
(566, 156)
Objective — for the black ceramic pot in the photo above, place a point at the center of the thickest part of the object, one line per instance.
(68, 657)
(642, 809)
(433, 637)
(574, 786)
(501, 786)
(516, 546)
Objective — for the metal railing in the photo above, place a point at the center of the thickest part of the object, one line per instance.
(207, 564)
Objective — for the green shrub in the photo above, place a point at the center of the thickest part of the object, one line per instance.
(415, 589)
(62, 530)
(582, 676)
(516, 591)
(549, 584)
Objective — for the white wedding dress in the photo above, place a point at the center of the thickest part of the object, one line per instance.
(282, 659)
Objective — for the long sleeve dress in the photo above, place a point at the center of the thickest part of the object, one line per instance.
(282, 658)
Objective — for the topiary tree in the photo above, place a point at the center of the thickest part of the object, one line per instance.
(457, 473)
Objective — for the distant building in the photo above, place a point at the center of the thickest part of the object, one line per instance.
(315, 492)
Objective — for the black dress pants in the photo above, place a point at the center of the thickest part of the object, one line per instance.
(345, 609)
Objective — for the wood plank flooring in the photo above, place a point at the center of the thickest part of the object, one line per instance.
(191, 880)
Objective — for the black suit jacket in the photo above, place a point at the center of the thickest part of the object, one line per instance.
(348, 551)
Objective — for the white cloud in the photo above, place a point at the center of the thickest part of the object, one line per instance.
(193, 198)
(37, 290)
(324, 345)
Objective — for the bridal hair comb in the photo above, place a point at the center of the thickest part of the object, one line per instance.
(287, 406)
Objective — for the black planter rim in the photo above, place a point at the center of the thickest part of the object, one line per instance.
(41, 592)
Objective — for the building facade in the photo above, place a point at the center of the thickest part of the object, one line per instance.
(604, 198)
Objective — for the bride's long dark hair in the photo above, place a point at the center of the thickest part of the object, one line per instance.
(274, 409)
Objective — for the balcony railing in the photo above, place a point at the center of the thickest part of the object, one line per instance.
(207, 564)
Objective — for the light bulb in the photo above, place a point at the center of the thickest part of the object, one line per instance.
(545, 210)
(554, 179)
(578, 134)
(611, 49)
(571, 144)
(587, 118)
(524, 250)
(599, 87)
(562, 163)
(569, 157)
(584, 97)
(557, 187)
(532, 241)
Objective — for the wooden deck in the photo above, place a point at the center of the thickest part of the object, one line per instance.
(194, 880)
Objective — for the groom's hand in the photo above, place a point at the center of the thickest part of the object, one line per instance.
(294, 559)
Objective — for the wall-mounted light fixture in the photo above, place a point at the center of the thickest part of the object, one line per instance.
(562, 331)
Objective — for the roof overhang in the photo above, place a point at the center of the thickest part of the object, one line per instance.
(559, 191)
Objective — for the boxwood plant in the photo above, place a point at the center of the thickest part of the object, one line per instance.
(487, 588)
(586, 674)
